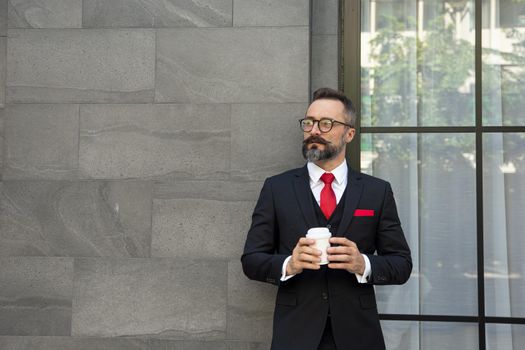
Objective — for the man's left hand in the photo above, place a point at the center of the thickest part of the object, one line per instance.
(345, 256)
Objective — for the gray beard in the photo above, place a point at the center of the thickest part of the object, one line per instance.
(315, 154)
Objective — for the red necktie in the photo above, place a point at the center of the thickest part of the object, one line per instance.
(328, 202)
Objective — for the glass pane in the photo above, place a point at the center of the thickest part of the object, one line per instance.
(433, 178)
(448, 335)
(417, 63)
(503, 42)
(448, 224)
(505, 337)
(393, 158)
(504, 200)
(401, 335)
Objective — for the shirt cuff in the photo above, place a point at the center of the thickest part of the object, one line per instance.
(368, 271)
(283, 270)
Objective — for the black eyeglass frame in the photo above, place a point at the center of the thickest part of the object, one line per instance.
(332, 121)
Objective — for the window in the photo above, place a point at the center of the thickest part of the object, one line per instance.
(441, 97)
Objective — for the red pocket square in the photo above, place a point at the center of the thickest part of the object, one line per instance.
(364, 212)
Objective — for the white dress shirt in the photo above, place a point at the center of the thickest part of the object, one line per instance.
(338, 185)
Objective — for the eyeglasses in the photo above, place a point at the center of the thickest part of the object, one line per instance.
(324, 124)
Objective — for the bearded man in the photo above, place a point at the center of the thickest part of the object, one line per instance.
(329, 306)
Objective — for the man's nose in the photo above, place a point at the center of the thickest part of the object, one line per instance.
(315, 129)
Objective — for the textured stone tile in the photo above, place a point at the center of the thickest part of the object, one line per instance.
(35, 298)
(162, 298)
(266, 139)
(2, 117)
(157, 14)
(239, 345)
(324, 61)
(199, 228)
(78, 65)
(45, 14)
(325, 16)
(213, 190)
(232, 65)
(41, 141)
(72, 343)
(3, 17)
(250, 306)
(161, 344)
(57, 218)
(155, 141)
(270, 13)
(3, 43)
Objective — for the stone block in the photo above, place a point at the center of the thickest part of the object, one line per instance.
(2, 117)
(45, 14)
(270, 13)
(239, 345)
(3, 43)
(88, 218)
(212, 190)
(325, 16)
(155, 141)
(157, 298)
(325, 67)
(72, 343)
(3, 17)
(161, 344)
(78, 65)
(266, 139)
(250, 306)
(41, 141)
(157, 14)
(36, 296)
(200, 227)
(232, 65)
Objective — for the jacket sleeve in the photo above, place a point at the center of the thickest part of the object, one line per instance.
(393, 263)
(260, 261)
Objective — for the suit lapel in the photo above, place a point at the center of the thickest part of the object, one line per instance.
(303, 194)
(354, 188)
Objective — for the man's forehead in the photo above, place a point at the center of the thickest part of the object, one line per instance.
(325, 106)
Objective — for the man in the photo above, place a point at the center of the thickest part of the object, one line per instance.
(331, 306)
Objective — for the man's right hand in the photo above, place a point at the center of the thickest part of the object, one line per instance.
(304, 256)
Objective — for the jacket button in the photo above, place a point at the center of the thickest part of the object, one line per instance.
(324, 295)
(328, 226)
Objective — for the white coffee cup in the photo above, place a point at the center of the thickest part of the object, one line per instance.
(322, 236)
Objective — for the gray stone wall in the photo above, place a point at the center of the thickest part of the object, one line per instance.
(134, 139)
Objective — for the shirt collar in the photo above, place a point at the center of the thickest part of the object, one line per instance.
(340, 172)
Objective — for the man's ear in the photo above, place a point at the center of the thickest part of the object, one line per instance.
(349, 135)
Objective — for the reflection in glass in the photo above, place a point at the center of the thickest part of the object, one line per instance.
(417, 63)
(503, 43)
(402, 335)
(448, 335)
(393, 158)
(504, 200)
(432, 176)
(505, 337)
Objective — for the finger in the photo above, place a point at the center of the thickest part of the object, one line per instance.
(309, 258)
(309, 250)
(340, 258)
(341, 250)
(311, 266)
(342, 241)
(339, 266)
(303, 241)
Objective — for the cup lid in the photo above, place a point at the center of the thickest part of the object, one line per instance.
(318, 232)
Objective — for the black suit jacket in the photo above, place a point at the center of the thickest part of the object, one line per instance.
(283, 214)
